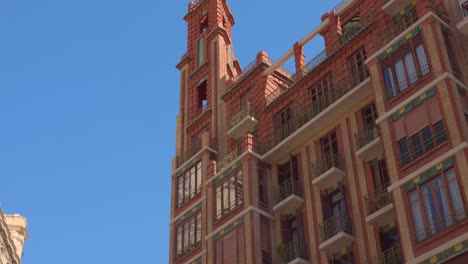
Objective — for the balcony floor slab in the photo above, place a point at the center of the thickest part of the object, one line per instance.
(328, 178)
(382, 217)
(243, 127)
(334, 244)
(463, 26)
(288, 205)
(371, 150)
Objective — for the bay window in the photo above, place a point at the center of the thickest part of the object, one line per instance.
(229, 194)
(436, 205)
(189, 184)
(188, 234)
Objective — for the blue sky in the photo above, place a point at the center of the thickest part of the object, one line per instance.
(88, 100)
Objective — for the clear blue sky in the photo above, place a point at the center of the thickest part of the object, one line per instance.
(88, 100)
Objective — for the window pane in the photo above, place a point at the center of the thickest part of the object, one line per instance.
(187, 186)
(198, 183)
(411, 68)
(226, 196)
(404, 155)
(219, 200)
(455, 195)
(423, 65)
(427, 138)
(417, 215)
(180, 188)
(416, 147)
(442, 201)
(440, 132)
(192, 182)
(389, 83)
(430, 209)
(198, 238)
(239, 188)
(186, 235)
(179, 241)
(400, 74)
(192, 232)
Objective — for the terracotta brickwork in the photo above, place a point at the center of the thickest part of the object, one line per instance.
(357, 155)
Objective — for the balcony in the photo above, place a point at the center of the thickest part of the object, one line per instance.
(335, 234)
(293, 252)
(312, 117)
(389, 256)
(393, 7)
(327, 172)
(247, 144)
(288, 197)
(368, 144)
(242, 122)
(401, 22)
(379, 207)
(191, 151)
(463, 24)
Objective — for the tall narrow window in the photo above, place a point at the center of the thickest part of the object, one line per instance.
(229, 194)
(201, 51)
(282, 124)
(358, 67)
(422, 60)
(202, 96)
(189, 184)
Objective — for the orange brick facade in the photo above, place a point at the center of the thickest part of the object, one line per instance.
(358, 155)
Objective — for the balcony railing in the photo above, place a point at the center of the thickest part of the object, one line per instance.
(266, 257)
(389, 256)
(292, 250)
(303, 114)
(366, 136)
(329, 161)
(246, 143)
(289, 187)
(333, 226)
(377, 200)
(400, 24)
(433, 229)
(425, 147)
(246, 110)
(192, 150)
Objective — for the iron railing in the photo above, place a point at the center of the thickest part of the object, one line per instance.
(377, 200)
(287, 188)
(334, 225)
(292, 250)
(245, 144)
(392, 255)
(303, 114)
(442, 224)
(246, 110)
(426, 146)
(400, 24)
(327, 162)
(266, 257)
(366, 136)
(192, 150)
(316, 61)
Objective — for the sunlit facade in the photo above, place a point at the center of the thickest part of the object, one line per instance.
(357, 155)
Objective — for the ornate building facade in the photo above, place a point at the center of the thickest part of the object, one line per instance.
(13, 234)
(358, 155)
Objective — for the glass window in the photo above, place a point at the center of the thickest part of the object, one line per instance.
(389, 83)
(439, 130)
(438, 202)
(400, 74)
(189, 184)
(422, 60)
(411, 68)
(416, 147)
(427, 138)
(229, 195)
(188, 234)
(404, 154)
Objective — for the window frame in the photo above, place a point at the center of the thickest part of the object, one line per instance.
(400, 55)
(182, 184)
(236, 178)
(185, 228)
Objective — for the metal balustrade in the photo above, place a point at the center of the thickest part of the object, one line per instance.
(377, 200)
(334, 225)
(291, 251)
(246, 110)
(366, 136)
(425, 147)
(287, 188)
(329, 161)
